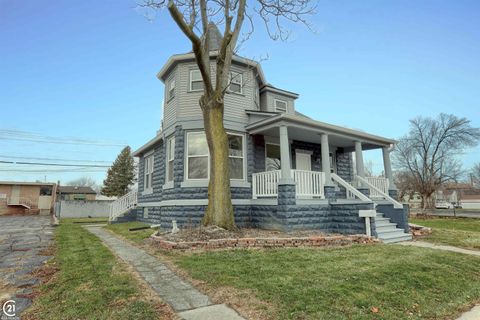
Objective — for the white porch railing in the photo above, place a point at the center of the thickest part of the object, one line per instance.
(383, 194)
(379, 184)
(265, 184)
(123, 204)
(352, 192)
(310, 184)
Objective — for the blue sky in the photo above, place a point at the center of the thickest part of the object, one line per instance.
(86, 70)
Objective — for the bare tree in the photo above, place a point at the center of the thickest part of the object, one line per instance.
(475, 174)
(84, 182)
(428, 153)
(195, 19)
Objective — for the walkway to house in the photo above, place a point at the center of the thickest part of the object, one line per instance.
(182, 296)
(423, 244)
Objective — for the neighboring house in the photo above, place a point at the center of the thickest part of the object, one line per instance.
(26, 197)
(470, 201)
(76, 193)
(288, 171)
(463, 194)
(414, 200)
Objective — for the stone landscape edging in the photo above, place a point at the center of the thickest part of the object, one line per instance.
(231, 243)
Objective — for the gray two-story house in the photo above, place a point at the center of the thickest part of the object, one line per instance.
(288, 171)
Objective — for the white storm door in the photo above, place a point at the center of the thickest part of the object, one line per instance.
(303, 160)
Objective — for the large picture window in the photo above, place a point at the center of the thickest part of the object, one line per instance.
(148, 177)
(170, 158)
(196, 81)
(198, 159)
(272, 159)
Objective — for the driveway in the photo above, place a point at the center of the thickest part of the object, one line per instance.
(22, 240)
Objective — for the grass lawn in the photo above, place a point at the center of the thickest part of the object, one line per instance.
(346, 283)
(90, 283)
(136, 236)
(459, 232)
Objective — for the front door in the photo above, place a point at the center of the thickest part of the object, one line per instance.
(303, 160)
(15, 196)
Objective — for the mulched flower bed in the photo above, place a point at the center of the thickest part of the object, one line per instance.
(218, 238)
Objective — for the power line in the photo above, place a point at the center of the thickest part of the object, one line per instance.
(53, 159)
(19, 135)
(55, 164)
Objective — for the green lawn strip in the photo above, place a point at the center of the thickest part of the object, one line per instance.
(137, 236)
(83, 220)
(459, 232)
(402, 282)
(91, 284)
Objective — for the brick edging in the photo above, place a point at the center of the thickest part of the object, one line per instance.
(313, 241)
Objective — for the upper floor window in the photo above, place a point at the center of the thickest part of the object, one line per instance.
(148, 174)
(236, 82)
(170, 158)
(196, 81)
(280, 105)
(171, 89)
(198, 157)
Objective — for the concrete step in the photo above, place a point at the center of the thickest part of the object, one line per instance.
(395, 236)
(381, 220)
(404, 237)
(386, 227)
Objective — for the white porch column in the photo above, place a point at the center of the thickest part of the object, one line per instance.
(388, 168)
(326, 159)
(285, 155)
(359, 159)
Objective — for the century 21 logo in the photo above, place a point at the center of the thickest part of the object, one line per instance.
(9, 308)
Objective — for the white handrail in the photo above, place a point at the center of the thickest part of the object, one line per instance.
(350, 188)
(265, 184)
(123, 204)
(381, 183)
(309, 183)
(395, 203)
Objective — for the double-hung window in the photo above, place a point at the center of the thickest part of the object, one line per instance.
(236, 82)
(148, 175)
(171, 89)
(236, 156)
(280, 105)
(196, 81)
(170, 158)
(198, 158)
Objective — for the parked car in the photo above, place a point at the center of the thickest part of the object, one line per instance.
(443, 205)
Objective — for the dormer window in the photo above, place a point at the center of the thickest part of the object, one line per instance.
(171, 89)
(280, 105)
(236, 82)
(196, 81)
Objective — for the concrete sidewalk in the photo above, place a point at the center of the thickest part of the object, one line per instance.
(423, 244)
(182, 296)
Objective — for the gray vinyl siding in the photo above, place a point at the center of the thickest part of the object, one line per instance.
(269, 102)
(185, 106)
(170, 105)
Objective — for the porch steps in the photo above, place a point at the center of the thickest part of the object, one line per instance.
(388, 231)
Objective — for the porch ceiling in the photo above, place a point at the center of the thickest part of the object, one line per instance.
(308, 130)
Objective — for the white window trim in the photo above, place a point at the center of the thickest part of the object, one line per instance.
(244, 153)
(191, 80)
(230, 81)
(243, 157)
(167, 158)
(170, 88)
(150, 189)
(202, 155)
(280, 100)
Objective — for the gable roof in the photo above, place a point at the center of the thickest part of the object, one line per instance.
(76, 190)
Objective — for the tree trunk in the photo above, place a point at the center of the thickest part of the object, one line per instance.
(220, 209)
